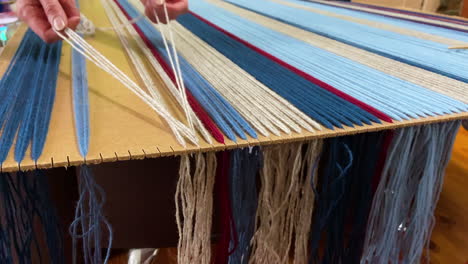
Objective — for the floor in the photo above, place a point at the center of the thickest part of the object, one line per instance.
(449, 243)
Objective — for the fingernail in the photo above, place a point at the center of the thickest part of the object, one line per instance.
(159, 2)
(59, 24)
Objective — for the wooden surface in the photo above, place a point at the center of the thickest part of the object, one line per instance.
(449, 243)
(389, 4)
(122, 127)
(450, 235)
(411, 4)
(430, 5)
(464, 8)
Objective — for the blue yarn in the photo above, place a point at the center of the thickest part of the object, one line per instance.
(25, 204)
(20, 99)
(331, 191)
(45, 209)
(46, 102)
(245, 164)
(17, 212)
(28, 82)
(31, 106)
(10, 83)
(89, 217)
(314, 101)
(20, 55)
(15, 117)
(8, 243)
(353, 195)
(80, 101)
(407, 49)
(401, 219)
(225, 116)
(360, 196)
(395, 97)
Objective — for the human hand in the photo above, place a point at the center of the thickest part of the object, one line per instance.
(43, 16)
(175, 8)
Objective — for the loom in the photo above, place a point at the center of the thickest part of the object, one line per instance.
(284, 103)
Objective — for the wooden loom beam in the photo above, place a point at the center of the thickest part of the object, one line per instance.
(122, 126)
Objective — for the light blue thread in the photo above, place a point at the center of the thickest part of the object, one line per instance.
(401, 219)
(421, 53)
(320, 104)
(443, 32)
(89, 217)
(80, 101)
(391, 95)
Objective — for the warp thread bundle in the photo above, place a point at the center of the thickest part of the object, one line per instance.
(367, 198)
(29, 227)
(285, 202)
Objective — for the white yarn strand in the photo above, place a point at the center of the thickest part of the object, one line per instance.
(174, 66)
(158, 68)
(194, 208)
(112, 12)
(94, 56)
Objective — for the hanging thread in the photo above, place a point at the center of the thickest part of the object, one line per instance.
(401, 218)
(89, 220)
(28, 218)
(285, 191)
(194, 207)
(244, 168)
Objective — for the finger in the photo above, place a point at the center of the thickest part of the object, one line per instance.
(72, 12)
(149, 12)
(154, 9)
(73, 22)
(177, 8)
(55, 14)
(36, 19)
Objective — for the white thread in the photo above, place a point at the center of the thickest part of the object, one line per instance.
(155, 64)
(281, 221)
(175, 68)
(94, 56)
(194, 205)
